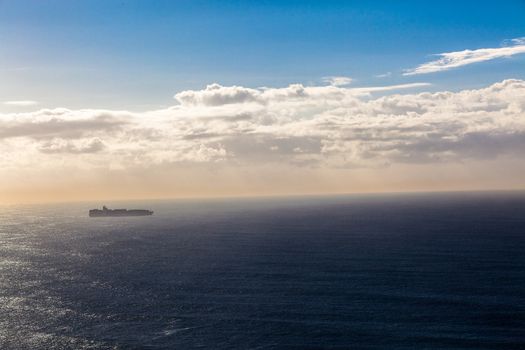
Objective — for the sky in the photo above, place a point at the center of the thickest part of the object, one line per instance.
(161, 99)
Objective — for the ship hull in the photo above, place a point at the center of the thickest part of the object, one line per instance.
(119, 213)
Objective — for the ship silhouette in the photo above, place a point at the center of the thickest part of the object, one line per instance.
(119, 212)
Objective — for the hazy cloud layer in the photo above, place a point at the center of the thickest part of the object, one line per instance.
(75, 147)
(21, 103)
(60, 122)
(297, 127)
(449, 60)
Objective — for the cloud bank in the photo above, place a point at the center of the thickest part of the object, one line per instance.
(272, 137)
(449, 60)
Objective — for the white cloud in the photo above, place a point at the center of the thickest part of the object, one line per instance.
(338, 81)
(217, 96)
(21, 103)
(325, 127)
(367, 90)
(449, 60)
(384, 75)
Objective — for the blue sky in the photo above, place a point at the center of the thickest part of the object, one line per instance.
(136, 55)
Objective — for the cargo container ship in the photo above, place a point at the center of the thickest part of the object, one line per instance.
(119, 212)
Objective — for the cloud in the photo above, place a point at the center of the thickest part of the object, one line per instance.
(338, 81)
(217, 96)
(225, 140)
(60, 122)
(384, 75)
(450, 60)
(21, 103)
(247, 134)
(367, 90)
(74, 147)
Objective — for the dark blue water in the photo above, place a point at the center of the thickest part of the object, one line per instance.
(358, 272)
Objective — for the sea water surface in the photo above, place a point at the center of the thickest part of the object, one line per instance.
(426, 271)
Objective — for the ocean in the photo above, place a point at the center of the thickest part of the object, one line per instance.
(398, 271)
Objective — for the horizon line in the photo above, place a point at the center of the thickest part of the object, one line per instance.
(269, 196)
